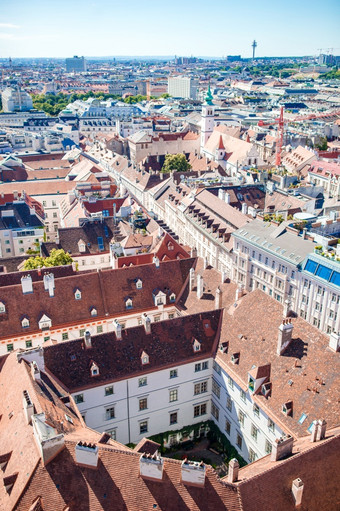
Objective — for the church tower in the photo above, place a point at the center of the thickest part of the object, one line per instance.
(208, 121)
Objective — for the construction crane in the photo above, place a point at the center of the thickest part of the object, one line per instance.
(280, 121)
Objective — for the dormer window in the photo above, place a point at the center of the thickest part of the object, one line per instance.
(94, 312)
(235, 357)
(251, 385)
(2, 308)
(94, 369)
(128, 303)
(287, 408)
(196, 346)
(159, 297)
(25, 323)
(170, 246)
(81, 246)
(45, 322)
(77, 294)
(139, 284)
(144, 358)
(172, 297)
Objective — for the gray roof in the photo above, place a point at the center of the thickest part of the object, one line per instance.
(276, 240)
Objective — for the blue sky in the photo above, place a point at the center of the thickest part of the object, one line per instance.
(50, 28)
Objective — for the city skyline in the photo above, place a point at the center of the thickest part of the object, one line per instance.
(37, 29)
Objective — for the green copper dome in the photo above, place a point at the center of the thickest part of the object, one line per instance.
(209, 97)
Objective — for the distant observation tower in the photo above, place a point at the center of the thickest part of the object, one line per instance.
(254, 47)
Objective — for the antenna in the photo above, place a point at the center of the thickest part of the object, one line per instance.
(254, 47)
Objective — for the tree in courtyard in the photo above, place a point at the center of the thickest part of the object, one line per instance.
(57, 257)
(175, 162)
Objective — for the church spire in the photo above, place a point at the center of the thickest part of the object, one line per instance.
(209, 97)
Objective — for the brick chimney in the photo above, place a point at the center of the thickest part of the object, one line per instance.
(218, 298)
(286, 308)
(282, 447)
(199, 286)
(285, 335)
(297, 491)
(233, 469)
(28, 406)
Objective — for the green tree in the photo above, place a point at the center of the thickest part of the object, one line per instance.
(57, 257)
(322, 144)
(175, 162)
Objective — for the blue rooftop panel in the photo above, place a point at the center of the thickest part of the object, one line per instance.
(335, 278)
(311, 266)
(323, 272)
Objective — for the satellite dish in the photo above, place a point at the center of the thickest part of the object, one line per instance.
(182, 177)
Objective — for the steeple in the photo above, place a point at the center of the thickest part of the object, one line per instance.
(209, 97)
(208, 120)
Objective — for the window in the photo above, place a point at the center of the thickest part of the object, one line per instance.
(216, 388)
(227, 427)
(268, 447)
(28, 344)
(200, 388)
(55, 214)
(239, 441)
(229, 404)
(110, 413)
(200, 410)
(143, 427)
(198, 367)
(77, 294)
(230, 382)
(173, 395)
(173, 373)
(2, 308)
(139, 284)
(128, 303)
(144, 357)
(81, 332)
(173, 418)
(112, 433)
(252, 455)
(143, 403)
(142, 381)
(99, 329)
(256, 409)
(93, 312)
(79, 398)
(254, 432)
(241, 417)
(271, 425)
(109, 390)
(10, 347)
(204, 365)
(215, 411)
(216, 367)
(157, 319)
(64, 336)
(243, 395)
(94, 369)
(171, 315)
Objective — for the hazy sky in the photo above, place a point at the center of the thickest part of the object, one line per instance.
(51, 28)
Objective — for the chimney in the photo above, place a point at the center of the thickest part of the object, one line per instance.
(28, 406)
(282, 448)
(118, 329)
(321, 432)
(199, 286)
(87, 339)
(74, 266)
(221, 194)
(49, 283)
(35, 371)
(286, 308)
(334, 341)
(285, 335)
(227, 198)
(218, 298)
(86, 454)
(193, 252)
(223, 276)
(244, 208)
(156, 261)
(146, 322)
(297, 491)
(304, 233)
(191, 279)
(15, 195)
(151, 467)
(239, 293)
(314, 431)
(49, 442)
(26, 284)
(193, 473)
(233, 469)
